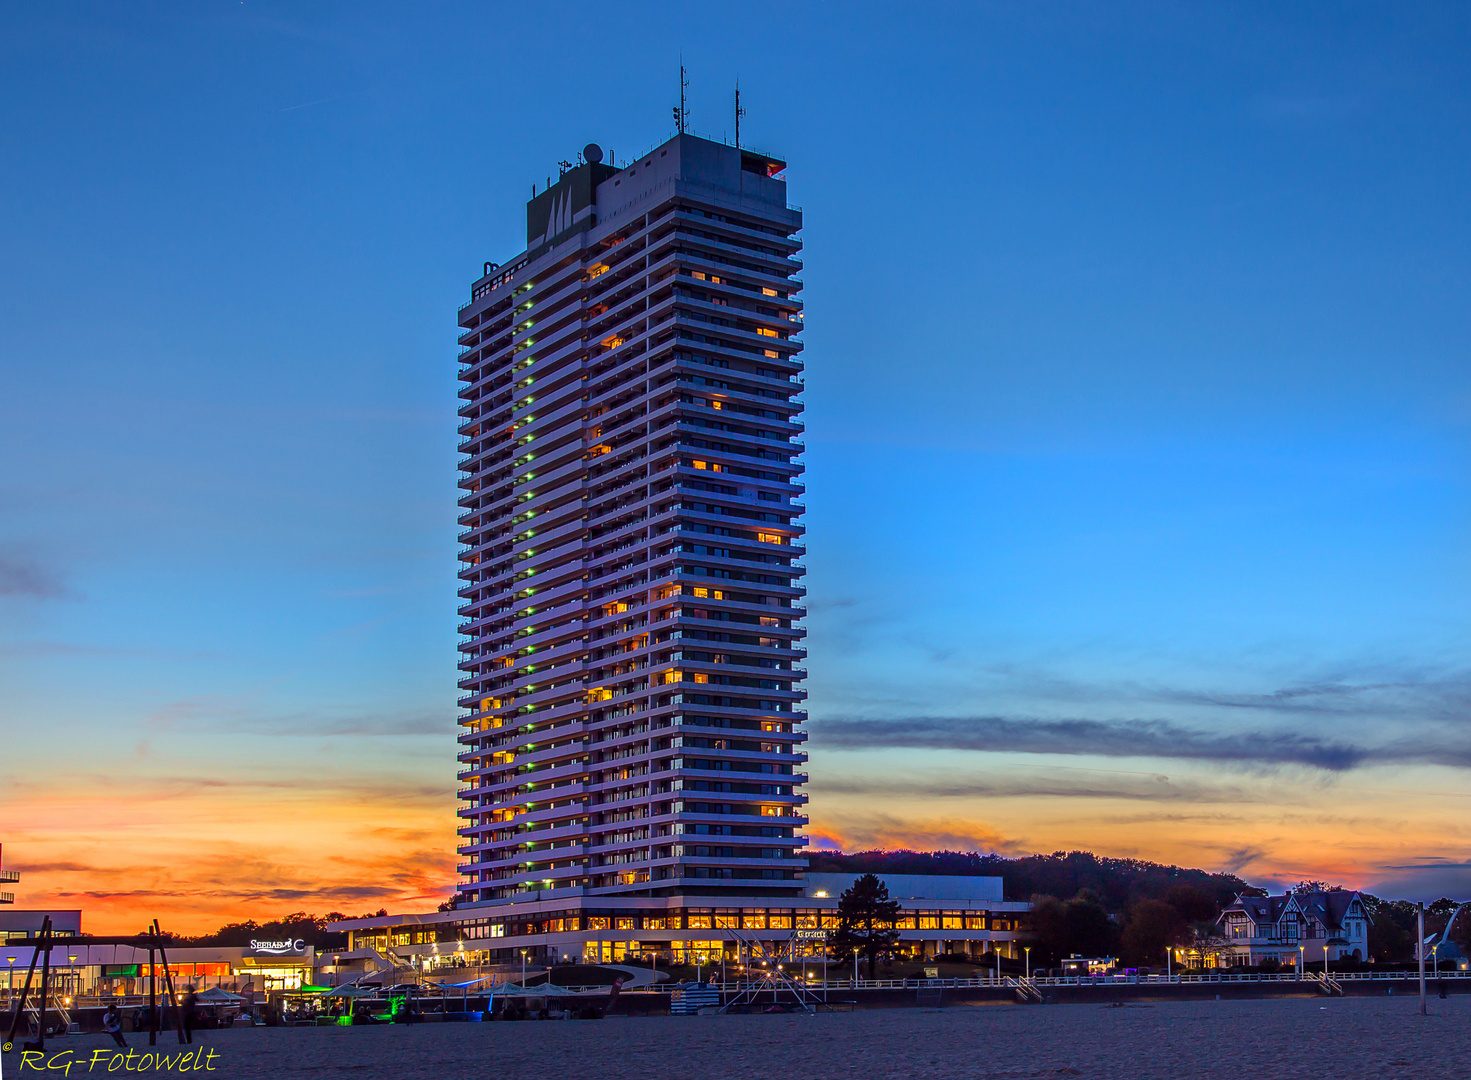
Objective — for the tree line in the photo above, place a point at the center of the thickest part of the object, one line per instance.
(312, 929)
(1087, 905)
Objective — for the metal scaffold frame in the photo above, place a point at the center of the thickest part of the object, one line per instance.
(769, 965)
(153, 939)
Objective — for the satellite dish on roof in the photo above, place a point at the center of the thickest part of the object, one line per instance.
(592, 152)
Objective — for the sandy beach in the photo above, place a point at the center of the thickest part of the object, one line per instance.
(1346, 1038)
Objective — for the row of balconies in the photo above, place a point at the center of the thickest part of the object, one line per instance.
(671, 419)
(557, 356)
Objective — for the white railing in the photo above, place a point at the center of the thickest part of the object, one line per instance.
(1007, 982)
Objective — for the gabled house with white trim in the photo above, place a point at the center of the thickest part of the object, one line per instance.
(1295, 928)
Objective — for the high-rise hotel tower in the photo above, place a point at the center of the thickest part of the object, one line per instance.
(630, 580)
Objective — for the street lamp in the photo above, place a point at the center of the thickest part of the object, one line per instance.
(523, 967)
(1325, 962)
(855, 969)
(1028, 950)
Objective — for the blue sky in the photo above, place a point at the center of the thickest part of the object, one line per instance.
(1139, 401)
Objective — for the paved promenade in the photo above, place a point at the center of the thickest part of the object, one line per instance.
(1344, 1038)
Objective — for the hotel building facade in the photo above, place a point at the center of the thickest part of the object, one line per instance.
(631, 757)
(631, 659)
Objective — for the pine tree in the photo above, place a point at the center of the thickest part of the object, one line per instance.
(866, 918)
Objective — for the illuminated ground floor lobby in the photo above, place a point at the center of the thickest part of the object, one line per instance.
(938, 915)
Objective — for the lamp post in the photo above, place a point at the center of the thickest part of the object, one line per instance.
(1300, 961)
(855, 969)
(523, 967)
(1325, 963)
(1028, 950)
(1169, 964)
(1420, 950)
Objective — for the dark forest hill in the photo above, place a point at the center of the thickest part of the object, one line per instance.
(1119, 883)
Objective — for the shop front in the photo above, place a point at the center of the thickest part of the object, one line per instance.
(278, 965)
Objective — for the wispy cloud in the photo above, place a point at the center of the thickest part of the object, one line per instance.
(1140, 738)
(933, 834)
(23, 575)
(1087, 784)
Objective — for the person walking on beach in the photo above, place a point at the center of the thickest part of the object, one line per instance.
(112, 1023)
(191, 1005)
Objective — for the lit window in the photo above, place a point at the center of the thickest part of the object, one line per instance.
(701, 275)
(767, 292)
(771, 354)
(702, 593)
(700, 464)
(765, 331)
(769, 538)
(701, 678)
(597, 271)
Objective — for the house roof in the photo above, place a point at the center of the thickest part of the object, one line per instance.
(1329, 908)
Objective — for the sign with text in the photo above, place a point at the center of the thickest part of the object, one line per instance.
(811, 935)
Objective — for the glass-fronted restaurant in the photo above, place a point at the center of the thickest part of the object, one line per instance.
(688, 929)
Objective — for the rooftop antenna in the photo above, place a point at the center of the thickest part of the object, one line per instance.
(681, 113)
(740, 112)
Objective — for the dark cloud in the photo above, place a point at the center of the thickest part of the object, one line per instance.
(21, 575)
(1086, 785)
(1238, 859)
(1426, 879)
(1102, 738)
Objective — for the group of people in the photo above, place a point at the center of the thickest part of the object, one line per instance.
(112, 1020)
